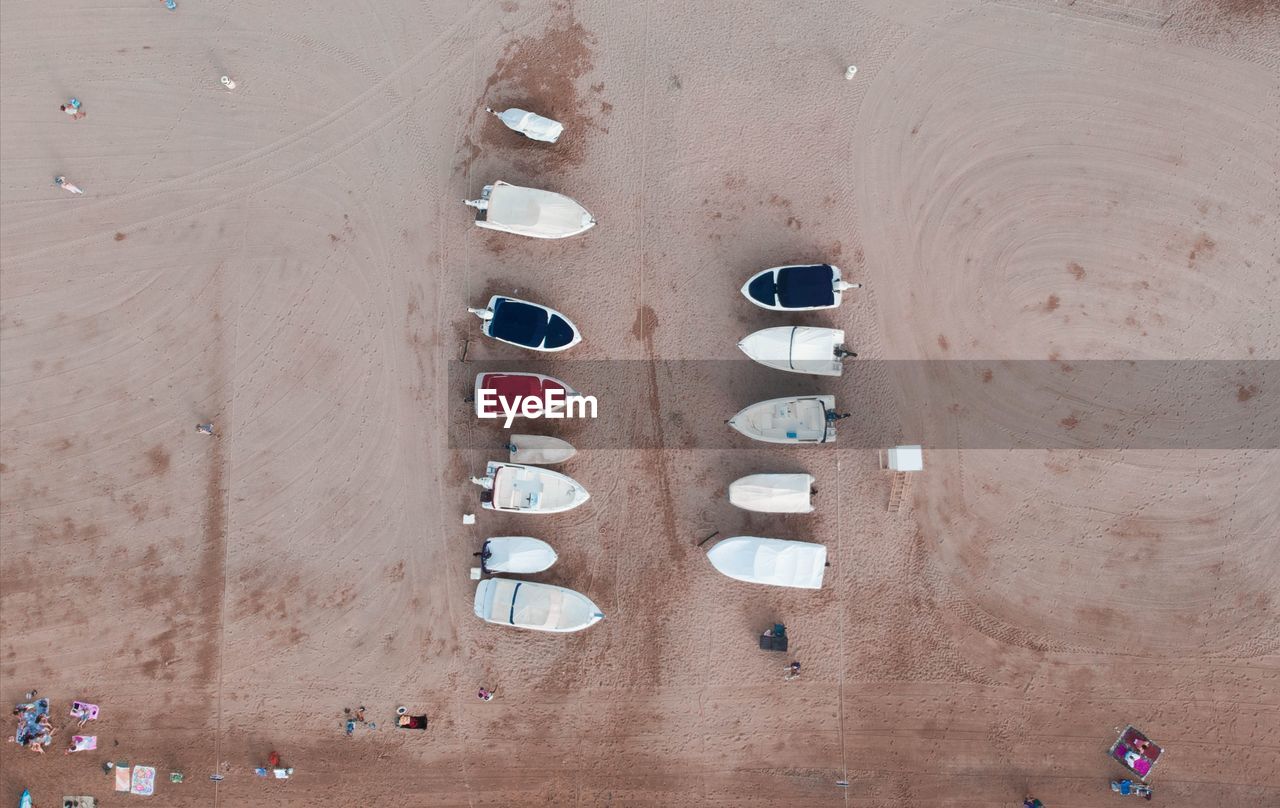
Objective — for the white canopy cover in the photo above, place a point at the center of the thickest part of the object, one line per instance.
(531, 125)
(774, 562)
(773, 493)
(532, 212)
(798, 349)
(540, 607)
(521, 554)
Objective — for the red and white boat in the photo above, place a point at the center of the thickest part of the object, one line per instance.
(512, 387)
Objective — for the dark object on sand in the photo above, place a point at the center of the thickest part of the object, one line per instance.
(774, 639)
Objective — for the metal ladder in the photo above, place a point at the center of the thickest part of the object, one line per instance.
(898, 488)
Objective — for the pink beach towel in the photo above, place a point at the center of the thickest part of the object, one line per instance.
(83, 743)
(84, 711)
(122, 778)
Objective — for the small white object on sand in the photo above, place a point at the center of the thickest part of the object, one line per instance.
(851, 71)
(468, 519)
(228, 83)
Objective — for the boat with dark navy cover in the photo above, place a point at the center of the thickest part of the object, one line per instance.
(797, 287)
(528, 325)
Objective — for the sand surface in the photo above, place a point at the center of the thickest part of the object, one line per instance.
(1020, 179)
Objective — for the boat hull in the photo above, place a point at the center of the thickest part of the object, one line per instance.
(796, 349)
(773, 493)
(531, 212)
(795, 287)
(531, 326)
(512, 386)
(788, 420)
(770, 562)
(521, 555)
(540, 450)
(534, 606)
(530, 489)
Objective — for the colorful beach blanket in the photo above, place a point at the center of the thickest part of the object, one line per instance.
(144, 780)
(29, 722)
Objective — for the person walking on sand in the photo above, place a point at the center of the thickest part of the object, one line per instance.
(485, 694)
(61, 182)
(793, 672)
(205, 429)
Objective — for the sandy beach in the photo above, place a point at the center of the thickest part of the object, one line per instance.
(1056, 182)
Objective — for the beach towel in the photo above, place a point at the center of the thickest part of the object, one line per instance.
(123, 781)
(84, 711)
(144, 780)
(82, 743)
(29, 723)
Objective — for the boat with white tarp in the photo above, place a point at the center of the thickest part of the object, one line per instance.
(798, 349)
(540, 607)
(539, 450)
(529, 124)
(774, 562)
(773, 493)
(530, 212)
(516, 554)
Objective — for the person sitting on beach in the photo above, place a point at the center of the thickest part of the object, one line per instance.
(1140, 745)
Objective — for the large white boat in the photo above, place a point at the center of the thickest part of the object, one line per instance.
(540, 607)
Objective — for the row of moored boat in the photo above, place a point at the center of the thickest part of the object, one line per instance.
(522, 484)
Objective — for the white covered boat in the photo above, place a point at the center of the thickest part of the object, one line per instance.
(528, 489)
(798, 349)
(774, 562)
(529, 124)
(797, 419)
(797, 287)
(530, 212)
(517, 554)
(539, 450)
(773, 493)
(540, 607)
(528, 325)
